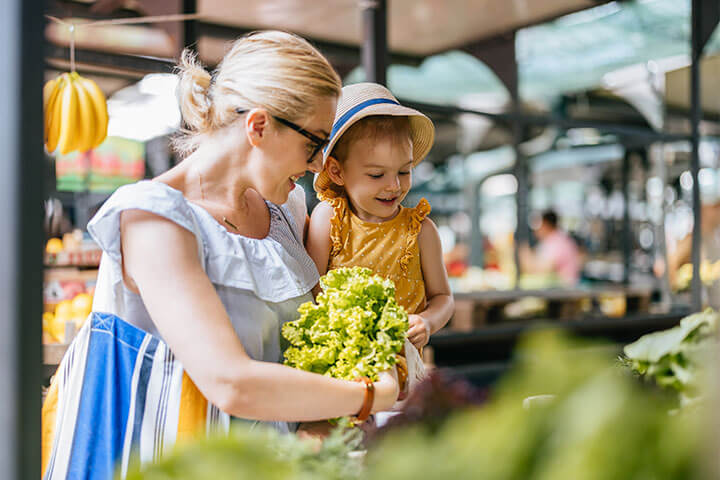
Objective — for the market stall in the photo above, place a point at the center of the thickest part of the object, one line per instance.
(504, 118)
(496, 306)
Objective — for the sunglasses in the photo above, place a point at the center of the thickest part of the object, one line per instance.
(318, 143)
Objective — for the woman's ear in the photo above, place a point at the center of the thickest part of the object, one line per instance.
(334, 170)
(257, 121)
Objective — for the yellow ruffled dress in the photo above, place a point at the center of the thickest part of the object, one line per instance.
(390, 248)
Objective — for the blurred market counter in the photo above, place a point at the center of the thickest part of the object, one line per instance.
(480, 308)
(483, 354)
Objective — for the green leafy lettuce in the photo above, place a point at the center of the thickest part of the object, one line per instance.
(355, 329)
(675, 358)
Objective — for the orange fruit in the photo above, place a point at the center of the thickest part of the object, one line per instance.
(82, 305)
(64, 309)
(54, 245)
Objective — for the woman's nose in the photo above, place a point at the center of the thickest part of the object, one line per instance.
(316, 165)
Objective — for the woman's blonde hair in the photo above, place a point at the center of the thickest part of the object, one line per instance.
(278, 71)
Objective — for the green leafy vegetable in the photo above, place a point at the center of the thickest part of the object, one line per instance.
(674, 358)
(598, 425)
(355, 329)
(259, 453)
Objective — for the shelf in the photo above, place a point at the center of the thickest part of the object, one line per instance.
(77, 259)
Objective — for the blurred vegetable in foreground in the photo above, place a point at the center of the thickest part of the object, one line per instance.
(259, 454)
(599, 424)
(431, 403)
(676, 358)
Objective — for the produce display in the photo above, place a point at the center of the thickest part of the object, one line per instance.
(709, 274)
(597, 424)
(75, 311)
(76, 116)
(74, 249)
(677, 358)
(355, 329)
(259, 454)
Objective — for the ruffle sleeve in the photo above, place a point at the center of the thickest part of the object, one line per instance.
(417, 215)
(150, 196)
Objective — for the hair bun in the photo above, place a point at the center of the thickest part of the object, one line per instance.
(193, 92)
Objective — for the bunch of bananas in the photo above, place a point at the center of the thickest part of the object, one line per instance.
(76, 115)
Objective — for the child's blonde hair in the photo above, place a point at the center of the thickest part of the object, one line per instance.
(278, 71)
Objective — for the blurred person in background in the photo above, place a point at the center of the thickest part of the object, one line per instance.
(556, 252)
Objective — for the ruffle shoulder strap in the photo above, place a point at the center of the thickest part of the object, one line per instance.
(339, 222)
(417, 215)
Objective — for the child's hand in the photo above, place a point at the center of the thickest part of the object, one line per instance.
(419, 332)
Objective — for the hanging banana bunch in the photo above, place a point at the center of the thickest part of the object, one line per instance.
(76, 117)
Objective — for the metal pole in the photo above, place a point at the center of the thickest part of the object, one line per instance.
(375, 48)
(626, 227)
(190, 26)
(477, 254)
(522, 232)
(21, 238)
(696, 40)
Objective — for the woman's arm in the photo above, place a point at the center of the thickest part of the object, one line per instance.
(162, 264)
(440, 304)
(318, 242)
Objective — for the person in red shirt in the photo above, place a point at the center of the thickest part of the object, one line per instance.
(556, 252)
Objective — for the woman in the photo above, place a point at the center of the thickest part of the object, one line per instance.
(253, 128)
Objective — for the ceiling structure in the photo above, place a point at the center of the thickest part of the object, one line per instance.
(417, 27)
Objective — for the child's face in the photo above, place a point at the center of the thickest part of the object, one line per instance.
(377, 175)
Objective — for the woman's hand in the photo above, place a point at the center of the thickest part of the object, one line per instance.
(419, 331)
(386, 391)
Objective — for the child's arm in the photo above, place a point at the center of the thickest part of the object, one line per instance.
(440, 304)
(318, 242)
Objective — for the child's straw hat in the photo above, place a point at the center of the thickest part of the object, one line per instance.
(362, 100)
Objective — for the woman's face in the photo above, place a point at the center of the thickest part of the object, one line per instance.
(286, 152)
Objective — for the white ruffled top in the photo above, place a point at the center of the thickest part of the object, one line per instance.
(261, 282)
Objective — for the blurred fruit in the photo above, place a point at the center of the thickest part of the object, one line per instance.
(54, 245)
(64, 309)
(48, 325)
(48, 319)
(54, 328)
(80, 321)
(47, 338)
(613, 305)
(82, 304)
(709, 274)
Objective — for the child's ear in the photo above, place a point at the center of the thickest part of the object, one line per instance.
(334, 170)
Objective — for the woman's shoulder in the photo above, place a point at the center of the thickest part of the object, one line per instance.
(149, 196)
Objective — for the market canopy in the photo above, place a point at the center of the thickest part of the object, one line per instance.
(420, 27)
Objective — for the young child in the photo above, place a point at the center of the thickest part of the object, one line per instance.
(374, 144)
